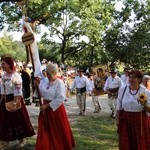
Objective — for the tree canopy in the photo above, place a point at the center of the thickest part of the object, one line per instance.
(89, 31)
(13, 48)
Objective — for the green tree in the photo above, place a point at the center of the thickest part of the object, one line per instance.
(69, 22)
(12, 48)
(126, 43)
(108, 31)
(139, 45)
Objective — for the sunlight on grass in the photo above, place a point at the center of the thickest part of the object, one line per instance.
(90, 133)
(93, 133)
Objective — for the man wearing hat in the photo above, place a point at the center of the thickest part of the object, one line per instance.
(124, 76)
(82, 84)
(112, 85)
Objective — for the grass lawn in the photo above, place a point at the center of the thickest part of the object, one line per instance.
(90, 133)
(95, 133)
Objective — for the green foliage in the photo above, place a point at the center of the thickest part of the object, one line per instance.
(128, 44)
(12, 48)
(9, 14)
(69, 22)
(108, 32)
(139, 45)
(48, 52)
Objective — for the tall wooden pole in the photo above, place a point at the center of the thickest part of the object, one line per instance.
(28, 39)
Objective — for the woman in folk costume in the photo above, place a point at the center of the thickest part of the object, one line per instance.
(133, 118)
(54, 132)
(146, 81)
(14, 124)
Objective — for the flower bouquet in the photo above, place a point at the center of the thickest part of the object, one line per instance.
(142, 99)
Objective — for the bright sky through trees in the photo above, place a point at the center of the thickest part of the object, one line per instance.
(17, 35)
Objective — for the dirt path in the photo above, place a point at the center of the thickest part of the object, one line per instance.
(73, 110)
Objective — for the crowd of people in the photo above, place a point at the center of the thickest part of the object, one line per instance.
(54, 131)
(128, 99)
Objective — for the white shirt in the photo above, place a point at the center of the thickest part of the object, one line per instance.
(112, 83)
(13, 84)
(91, 83)
(129, 102)
(80, 82)
(125, 79)
(54, 92)
(44, 80)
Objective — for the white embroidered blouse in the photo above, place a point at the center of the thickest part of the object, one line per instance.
(54, 92)
(129, 102)
(13, 84)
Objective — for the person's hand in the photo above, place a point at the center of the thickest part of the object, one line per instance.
(13, 110)
(37, 81)
(107, 90)
(144, 103)
(43, 107)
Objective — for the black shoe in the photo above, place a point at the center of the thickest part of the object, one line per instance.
(113, 115)
(80, 113)
(33, 100)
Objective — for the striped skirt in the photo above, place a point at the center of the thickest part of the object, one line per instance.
(134, 131)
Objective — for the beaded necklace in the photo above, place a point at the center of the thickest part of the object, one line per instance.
(135, 92)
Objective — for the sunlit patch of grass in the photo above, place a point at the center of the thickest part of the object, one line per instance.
(90, 133)
(95, 133)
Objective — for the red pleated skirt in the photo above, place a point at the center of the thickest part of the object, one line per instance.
(134, 131)
(15, 125)
(54, 132)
